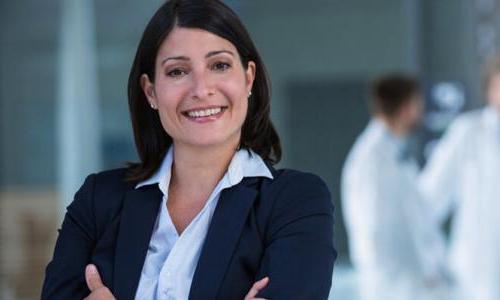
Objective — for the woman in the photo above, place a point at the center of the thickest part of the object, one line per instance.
(203, 215)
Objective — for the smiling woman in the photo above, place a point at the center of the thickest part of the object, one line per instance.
(203, 215)
(200, 89)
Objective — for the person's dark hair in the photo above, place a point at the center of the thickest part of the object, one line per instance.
(152, 142)
(389, 93)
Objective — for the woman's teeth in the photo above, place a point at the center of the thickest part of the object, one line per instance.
(204, 113)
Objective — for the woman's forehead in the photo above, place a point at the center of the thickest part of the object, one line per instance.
(193, 41)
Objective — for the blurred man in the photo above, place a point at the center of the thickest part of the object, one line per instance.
(463, 177)
(395, 246)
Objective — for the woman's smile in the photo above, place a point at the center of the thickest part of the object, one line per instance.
(205, 114)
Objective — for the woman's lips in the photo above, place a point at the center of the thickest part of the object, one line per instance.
(203, 115)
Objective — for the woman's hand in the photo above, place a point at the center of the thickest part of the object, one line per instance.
(256, 287)
(97, 289)
(100, 292)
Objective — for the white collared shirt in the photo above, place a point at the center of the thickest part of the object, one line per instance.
(171, 259)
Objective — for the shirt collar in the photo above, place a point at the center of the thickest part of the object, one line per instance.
(383, 130)
(245, 163)
(398, 145)
(162, 176)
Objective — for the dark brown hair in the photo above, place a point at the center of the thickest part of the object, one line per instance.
(389, 93)
(152, 142)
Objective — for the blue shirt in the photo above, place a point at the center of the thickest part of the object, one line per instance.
(171, 259)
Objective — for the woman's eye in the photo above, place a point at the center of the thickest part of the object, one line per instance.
(176, 73)
(221, 66)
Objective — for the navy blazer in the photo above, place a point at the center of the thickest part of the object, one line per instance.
(281, 228)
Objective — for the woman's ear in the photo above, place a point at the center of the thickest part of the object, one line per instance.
(149, 90)
(250, 75)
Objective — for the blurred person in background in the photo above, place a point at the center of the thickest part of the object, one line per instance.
(395, 246)
(203, 215)
(462, 178)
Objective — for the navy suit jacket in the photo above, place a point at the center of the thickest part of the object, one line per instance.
(281, 228)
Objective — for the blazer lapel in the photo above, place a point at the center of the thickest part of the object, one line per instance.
(222, 236)
(140, 209)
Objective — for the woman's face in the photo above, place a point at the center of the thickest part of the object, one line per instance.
(200, 88)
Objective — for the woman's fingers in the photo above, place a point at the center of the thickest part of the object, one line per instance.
(98, 291)
(93, 278)
(256, 287)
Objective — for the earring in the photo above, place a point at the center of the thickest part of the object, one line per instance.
(249, 94)
(152, 106)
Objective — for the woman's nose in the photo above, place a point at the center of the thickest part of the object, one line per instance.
(202, 85)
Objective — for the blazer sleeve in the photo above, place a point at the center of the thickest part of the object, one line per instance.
(65, 274)
(300, 254)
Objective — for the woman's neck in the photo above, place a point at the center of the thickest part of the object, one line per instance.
(197, 170)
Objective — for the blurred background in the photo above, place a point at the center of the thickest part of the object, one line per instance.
(63, 106)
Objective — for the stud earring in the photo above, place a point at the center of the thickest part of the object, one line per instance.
(153, 106)
(249, 94)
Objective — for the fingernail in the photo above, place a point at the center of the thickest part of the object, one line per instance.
(92, 269)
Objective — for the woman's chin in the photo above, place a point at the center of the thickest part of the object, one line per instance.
(208, 142)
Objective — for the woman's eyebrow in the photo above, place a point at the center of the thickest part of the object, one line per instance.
(185, 58)
(212, 53)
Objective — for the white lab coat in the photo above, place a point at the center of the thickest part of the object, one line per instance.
(394, 244)
(463, 177)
